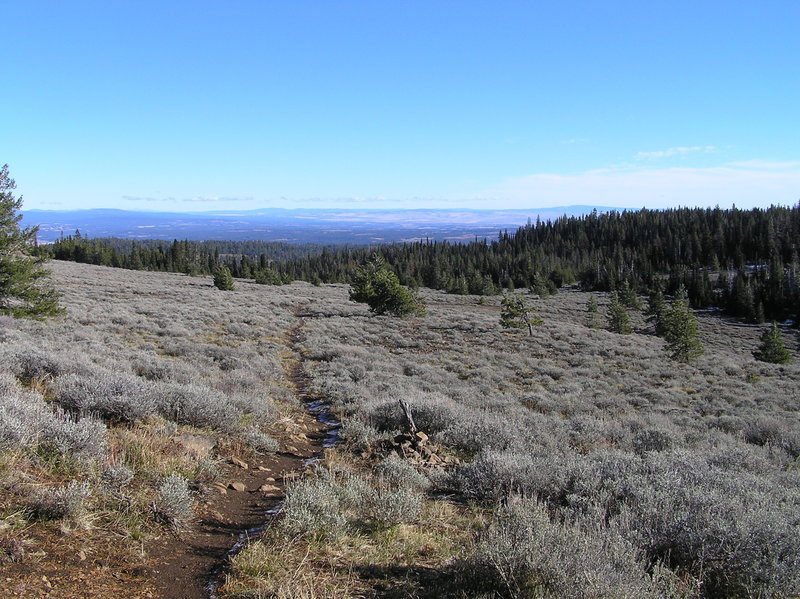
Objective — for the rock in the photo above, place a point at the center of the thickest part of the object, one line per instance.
(421, 437)
(239, 463)
(270, 479)
(199, 446)
(223, 490)
(292, 449)
(262, 469)
(237, 486)
(269, 489)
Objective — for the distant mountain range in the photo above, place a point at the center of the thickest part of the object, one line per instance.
(329, 226)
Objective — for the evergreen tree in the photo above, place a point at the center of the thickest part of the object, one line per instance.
(223, 279)
(377, 286)
(514, 314)
(680, 332)
(618, 319)
(656, 307)
(268, 276)
(771, 348)
(24, 289)
(627, 295)
(593, 312)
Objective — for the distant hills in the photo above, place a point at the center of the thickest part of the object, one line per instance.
(326, 226)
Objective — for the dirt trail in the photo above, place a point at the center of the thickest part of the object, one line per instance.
(187, 564)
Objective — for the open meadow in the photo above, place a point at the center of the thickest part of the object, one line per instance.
(572, 463)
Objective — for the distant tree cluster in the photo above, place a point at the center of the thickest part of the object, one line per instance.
(742, 261)
(245, 259)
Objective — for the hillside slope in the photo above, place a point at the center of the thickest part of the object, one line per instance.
(574, 462)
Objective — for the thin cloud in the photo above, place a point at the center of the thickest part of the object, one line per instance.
(146, 199)
(215, 200)
(767, 165)
(745, 186)
(196, 199)
(678, 151)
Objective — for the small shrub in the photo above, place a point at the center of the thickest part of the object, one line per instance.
(12, 548)
(197, 405)
(396, 473)
(60, 502)
(260, 441)
(389, 507)
(114, 397)
(174, 504)
(313, 509)
(359, 435)
(116, 477)
(524, 554)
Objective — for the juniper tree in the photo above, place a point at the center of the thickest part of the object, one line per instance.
(514, 314)
(618, 319)
(771, 348)
(24, 287)
(680, 332)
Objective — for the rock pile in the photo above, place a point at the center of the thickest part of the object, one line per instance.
(418, 450)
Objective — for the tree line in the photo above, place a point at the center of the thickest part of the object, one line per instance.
(742, 261)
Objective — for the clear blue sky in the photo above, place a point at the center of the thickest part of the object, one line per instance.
(177, 105)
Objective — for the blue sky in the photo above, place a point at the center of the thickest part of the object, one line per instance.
(243, 105)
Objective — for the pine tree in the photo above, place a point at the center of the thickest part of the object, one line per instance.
(376, 285)
(514, 314)
(627, 295)
(680, 332)
(618, 319)
(656, 307)
(223, 279)
(592, 309)
(24, 289)
(771, 348)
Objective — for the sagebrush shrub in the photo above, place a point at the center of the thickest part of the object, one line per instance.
(113, 397)
(525, 554)
(174, 504)
(57, 503)
(260, 441)
(116, 477)
(197, 405)
(396, 473)
(27, 421)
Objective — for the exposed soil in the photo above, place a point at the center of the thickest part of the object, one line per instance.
(176, 565)
(184, 564)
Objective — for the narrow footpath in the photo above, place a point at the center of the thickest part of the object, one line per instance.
(184, 565)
